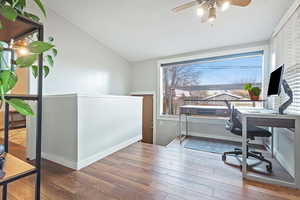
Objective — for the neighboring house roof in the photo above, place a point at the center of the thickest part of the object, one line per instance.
(223, 94)
(180, 93)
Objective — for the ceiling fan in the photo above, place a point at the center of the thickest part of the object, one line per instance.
(207, 9)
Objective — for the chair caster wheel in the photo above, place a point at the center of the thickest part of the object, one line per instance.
(224, 158)
(269, 168)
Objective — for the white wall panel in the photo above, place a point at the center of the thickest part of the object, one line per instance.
(81, 129)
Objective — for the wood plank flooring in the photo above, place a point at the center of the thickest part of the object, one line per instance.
(144, 171)
(17, 136)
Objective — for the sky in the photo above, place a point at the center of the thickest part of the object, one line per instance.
(242, 70)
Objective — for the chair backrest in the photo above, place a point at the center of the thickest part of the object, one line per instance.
(233, 123)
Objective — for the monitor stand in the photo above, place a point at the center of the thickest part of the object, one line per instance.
(289, 92)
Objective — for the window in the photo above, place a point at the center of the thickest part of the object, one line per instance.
(216, 78)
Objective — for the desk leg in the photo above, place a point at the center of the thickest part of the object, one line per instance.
(186, 126)
(179, 128)
(244, 145)
(272, 142)
(297, 153)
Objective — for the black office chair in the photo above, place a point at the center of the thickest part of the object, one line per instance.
(235, 127)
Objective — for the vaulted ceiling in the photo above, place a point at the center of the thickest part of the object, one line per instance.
(145, 29)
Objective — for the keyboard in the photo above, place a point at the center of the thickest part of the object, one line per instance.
(262, 111)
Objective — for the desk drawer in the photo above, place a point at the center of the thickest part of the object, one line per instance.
(272, 122)
(205, 111)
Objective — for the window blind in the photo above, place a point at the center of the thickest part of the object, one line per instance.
(286, 46)
(292, 75)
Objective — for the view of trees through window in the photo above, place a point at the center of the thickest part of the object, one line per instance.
(216, 79)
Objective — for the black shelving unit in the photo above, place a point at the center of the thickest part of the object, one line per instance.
(15, 168)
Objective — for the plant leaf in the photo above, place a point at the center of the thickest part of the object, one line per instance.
(32, 16)
(8, 12)
(8, 80)
(21, 106)
(26, 61)
(256, 91)
(1, 47)
(3, 44)
(46, 70)
(21, 4)
(39, 47)
(50, 60)
(41, 6)
(35, 70)
(2, 93)
(248, 86)
(15, 2)
(54, 51)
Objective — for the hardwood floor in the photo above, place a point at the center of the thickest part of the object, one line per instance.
(17, 136)
(144, 171)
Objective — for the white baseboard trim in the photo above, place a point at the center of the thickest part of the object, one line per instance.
(284, 163)
(60, 160)
(94, 158)
(86, 162)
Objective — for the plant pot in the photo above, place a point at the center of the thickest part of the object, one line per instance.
(253, 97)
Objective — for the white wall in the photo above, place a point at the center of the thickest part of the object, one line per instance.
(145, 78)
(107, 124)
(90, 127)
(83, 65)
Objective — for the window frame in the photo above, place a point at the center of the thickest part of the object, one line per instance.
(265, 72)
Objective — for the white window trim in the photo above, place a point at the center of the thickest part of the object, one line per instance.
(265, 71)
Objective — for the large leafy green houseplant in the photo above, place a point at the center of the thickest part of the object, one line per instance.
(28, 56)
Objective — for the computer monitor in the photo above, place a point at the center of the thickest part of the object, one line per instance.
(275, 81)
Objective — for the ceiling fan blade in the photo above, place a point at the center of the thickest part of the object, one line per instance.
(185, 6)
(242, 3)
(204, 18)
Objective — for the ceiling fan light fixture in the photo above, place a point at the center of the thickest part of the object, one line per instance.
(23, 51)
(200, 11)
(225, 6)
(212, 15)
(206, 9)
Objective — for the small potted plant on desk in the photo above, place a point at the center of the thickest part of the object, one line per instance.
(254, 92)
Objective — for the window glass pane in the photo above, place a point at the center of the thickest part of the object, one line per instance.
(213, 80)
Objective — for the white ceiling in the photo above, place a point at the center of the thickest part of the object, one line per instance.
(145, 29)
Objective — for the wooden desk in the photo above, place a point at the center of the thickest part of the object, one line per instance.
(263, 117)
